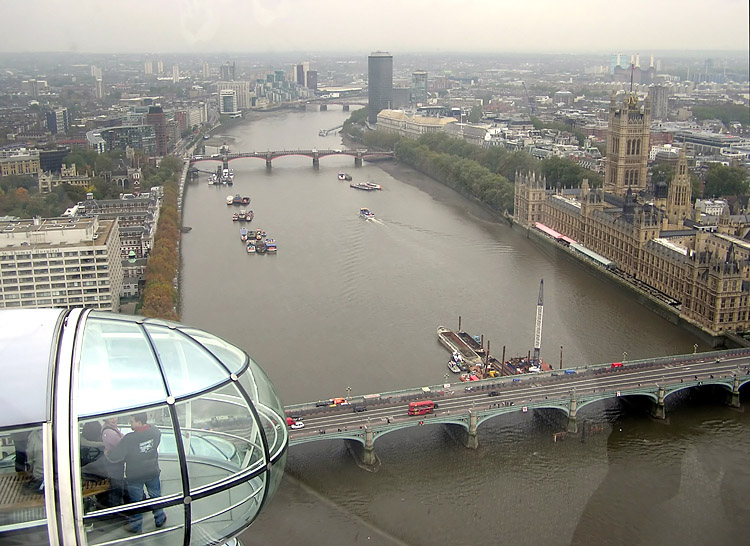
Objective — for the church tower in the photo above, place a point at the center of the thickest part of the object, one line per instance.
(627, 146)
(680, 194)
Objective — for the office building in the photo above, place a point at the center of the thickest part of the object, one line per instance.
(228, 102)
(99, 89)
(138, 137)
(19, 161)
(175, 74)
(58, 121)
(60, 262)
(658, 95)
(627, 146)
(312, 80)
(379, 84)
(419, 88)
(158, 120)
(206, 71)
(159, 67)
(241, 90)
(227, 72)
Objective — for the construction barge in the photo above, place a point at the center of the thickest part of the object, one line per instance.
(456, 343)
(470, 355)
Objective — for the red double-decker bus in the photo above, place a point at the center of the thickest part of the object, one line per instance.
(421, 408)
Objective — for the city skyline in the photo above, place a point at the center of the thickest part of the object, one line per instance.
(273, 26)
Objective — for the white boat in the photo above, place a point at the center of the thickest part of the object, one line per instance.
(230, 199)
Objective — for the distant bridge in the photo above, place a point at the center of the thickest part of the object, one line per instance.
(315, 155)
(462, 407)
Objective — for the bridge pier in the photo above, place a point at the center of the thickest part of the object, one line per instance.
(225, 162)
(323, 107)
(470, 439)
(358, 159)
(316, 160)
(368, 457)
(734, 397)
(345, 108)
(268, 161)
(658, 411)
(572, 416)
(365, 457)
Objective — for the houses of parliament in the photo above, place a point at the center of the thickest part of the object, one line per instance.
(653, 236)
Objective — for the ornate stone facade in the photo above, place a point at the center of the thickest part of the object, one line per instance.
(704, 276)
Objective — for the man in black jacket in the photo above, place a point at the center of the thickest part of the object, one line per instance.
(139, 451)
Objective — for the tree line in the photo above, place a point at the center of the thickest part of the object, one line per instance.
(160, 295)
(486, 174)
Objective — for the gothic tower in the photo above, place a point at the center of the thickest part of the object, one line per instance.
(627, 146)
(680, 194)
(530, 194)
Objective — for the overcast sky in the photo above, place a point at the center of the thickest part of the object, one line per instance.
(354, 26)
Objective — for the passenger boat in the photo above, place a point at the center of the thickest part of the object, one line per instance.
(366, 213)
(271, 245)
(242, 215)
(245, 200)
(250, 247)
(243, 234)
(237, 200)
(230, 199)
(345, 176)
(249, 215)
(260, 247)
(364, 186)
(235, 217)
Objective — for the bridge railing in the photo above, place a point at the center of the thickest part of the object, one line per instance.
(435, 392)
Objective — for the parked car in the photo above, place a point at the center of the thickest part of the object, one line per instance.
(492, 393)
(358, 409)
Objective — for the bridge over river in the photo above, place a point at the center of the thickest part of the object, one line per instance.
(462, 407)
(359, 155)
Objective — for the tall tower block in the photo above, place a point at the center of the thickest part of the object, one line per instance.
(627, 146)
(379, 84)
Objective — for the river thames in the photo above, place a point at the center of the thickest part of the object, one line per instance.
(349, 303)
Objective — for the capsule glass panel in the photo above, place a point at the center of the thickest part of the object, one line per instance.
(118, 368)
(22, 487)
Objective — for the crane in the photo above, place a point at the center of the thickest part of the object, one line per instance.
(528, 98)
(538, 328)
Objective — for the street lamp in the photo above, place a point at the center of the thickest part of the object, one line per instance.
(624, 355)
(446, 377)
(695, 348)
(348, 392)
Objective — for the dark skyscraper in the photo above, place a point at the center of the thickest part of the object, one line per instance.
(312, 79)
(157, 118)
(379, 84)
